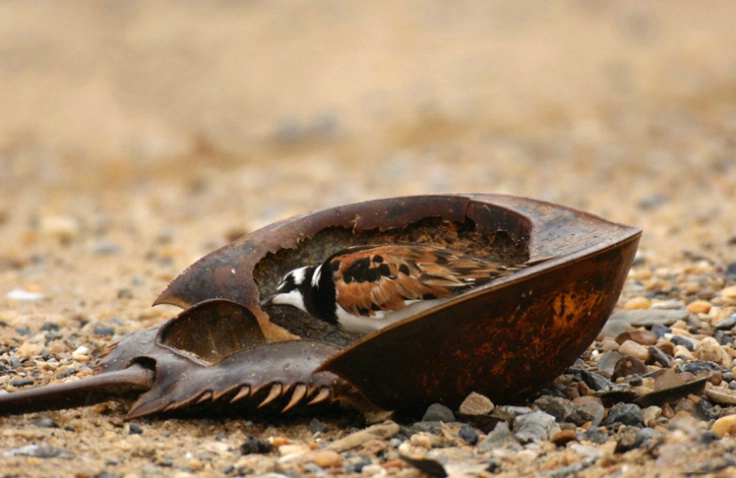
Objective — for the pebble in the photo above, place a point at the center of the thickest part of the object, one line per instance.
(625, 414)
(660, 357)
(608, 344)
(256, 446)
(637, 303)
(615, 326)
(596, 435)
(22, 295)
(699, 307)
(317, 426)
(326, 459)
(104, 330)
(724, 426)
(729, 292)
(534, 427)
(64, 228)
(607, 361)
(563, 410)
(28, 350)
(683, 352)
(497, 438)
(686, 342)
(381, 431)
(476, 404)
(650, 317)
(564, 437)
(634, 349)
(509, 412)
(727, 323)
(710, 350)
(39, 451)
(640, 336)
(593, 407)
(438, 413)
(721, 395)
(628, 365)
(468, 433)
(649, 415)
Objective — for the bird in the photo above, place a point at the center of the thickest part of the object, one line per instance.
(365, 288)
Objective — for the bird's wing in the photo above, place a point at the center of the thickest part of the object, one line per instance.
(383, 278)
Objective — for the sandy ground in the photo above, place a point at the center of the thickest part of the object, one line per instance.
(136, 137)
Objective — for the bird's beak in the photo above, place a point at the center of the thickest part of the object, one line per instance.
(267, 302)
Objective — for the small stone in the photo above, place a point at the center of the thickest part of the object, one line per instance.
(562, 409)
(684, 341)
(135, 429)
(669, 305)
(594, 380)
(637, 303)
(607, 361)
(637, 350)
(726, 324)
(468, 433)
(21, 295)
(698, 366)
(709, 350)
(721, 395)
(615, 326)
(608, 344)
(256, 446)
(564, 437)
(476, 404)
(683, 352)
(628, 365)
(327, 459)
(649, 415)
(625, 414)
(438, 413)
(640, 336)
(44, 422)
(729, 292)
(699, 307)
(316, 426)
(424, 439)
(28, 350)
(650, 317)
(659, 356)
(39, 451)
(724, 426)
(104, 330)
(21, 382)
(499, 437)
(592, 407)
(509, 412)
(382, 431)
(597, 435)
(706, 409)
(534, 427)
(63, 228)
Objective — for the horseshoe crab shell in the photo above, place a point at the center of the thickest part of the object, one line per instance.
(504, 339)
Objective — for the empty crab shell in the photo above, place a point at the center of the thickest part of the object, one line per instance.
(504, 339)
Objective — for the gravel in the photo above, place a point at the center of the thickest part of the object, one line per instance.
(114, 180)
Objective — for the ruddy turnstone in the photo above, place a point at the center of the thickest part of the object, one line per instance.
(365, 288)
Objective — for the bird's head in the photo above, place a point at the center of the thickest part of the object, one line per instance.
(292, 289)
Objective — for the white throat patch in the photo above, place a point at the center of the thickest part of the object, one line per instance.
(293, 298)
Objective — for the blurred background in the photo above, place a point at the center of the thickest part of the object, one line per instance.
(156, 131)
